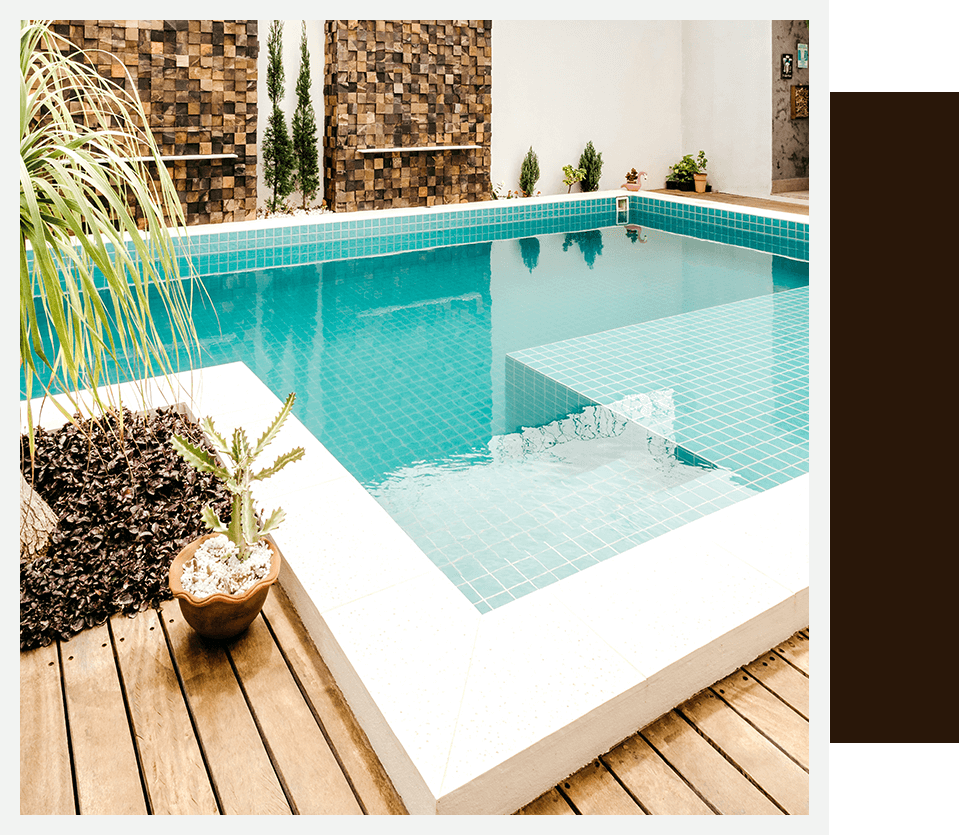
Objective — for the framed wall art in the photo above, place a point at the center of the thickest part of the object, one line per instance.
(802, 56)
(786, 65)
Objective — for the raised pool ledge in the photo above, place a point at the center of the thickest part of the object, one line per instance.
(278, 242)
(479, 714)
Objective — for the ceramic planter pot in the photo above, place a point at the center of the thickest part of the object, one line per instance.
(700, 182)
(220, 616)
(631, 186)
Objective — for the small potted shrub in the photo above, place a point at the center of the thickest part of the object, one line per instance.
(689, 174)
(221, 580)
(572, 175)
(529, 173)
(592, 163)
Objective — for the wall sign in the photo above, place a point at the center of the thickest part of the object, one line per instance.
(802, 56)
(786, 65)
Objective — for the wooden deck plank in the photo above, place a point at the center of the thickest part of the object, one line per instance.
(370, 781)
(239, 766)
(46, 780)
(549, 803)
(771, 716)
(713, 777)
(105, 763)
(594, 791)
(755, 755)
(783, 679)
(657, 786)
(170, 760)
(796, 651)
(307, 767)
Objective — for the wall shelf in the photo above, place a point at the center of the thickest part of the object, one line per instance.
(419, 148)
(186, 156)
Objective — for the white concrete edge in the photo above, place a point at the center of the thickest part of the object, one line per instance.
(426, 211)
(436, 780)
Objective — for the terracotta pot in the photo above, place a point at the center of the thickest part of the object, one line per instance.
(700, 181)
(220, 616)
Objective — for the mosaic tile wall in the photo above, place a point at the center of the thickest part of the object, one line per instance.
(197, 81)
(403, 83)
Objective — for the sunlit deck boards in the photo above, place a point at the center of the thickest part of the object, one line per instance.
(741, 747)
(141, 716)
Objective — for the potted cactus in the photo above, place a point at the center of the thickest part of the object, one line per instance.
(221, 580)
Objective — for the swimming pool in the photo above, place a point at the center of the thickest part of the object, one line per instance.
(525, 408)
(478, 713)
(426, 374)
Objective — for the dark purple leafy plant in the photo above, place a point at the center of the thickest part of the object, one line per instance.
(126, 505)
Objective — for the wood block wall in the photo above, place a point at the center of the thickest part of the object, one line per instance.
(197, 82)
(396, 83)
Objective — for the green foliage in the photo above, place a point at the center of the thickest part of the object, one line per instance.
(304, 129)
(81, 191)
(243, 529)
(572, 175)
(279, 159)
(275, 76)
(592, 163)
(683, 170)
(529, 173)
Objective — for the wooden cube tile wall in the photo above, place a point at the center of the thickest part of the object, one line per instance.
(197, 82)
(402, 83)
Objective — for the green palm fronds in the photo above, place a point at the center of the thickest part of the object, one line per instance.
(83, 196)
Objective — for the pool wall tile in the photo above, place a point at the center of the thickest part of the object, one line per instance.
(336, 237)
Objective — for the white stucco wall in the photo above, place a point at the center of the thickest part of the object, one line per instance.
(560, 84)
(726, 109)
(644, 92)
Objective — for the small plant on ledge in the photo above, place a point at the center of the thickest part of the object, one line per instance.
(572, 175)
(687, 171)
(592, 163)
(529, 173)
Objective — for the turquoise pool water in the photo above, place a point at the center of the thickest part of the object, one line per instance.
(525, 408)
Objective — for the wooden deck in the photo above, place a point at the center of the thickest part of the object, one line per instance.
(141, 716)
(741, 747)
(780, 205)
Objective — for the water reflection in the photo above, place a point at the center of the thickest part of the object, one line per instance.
(529, 252)
(590, 244)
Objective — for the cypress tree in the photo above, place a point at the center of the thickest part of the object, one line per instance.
(529, 173)
(278, 160)
(304, 129)
(592, 164)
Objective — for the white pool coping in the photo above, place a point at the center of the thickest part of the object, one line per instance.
(292, 221)
(479, 714)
